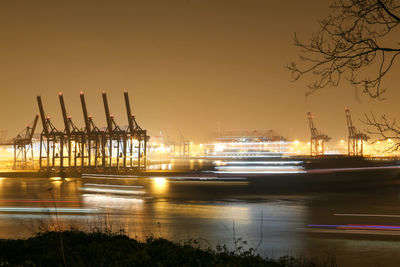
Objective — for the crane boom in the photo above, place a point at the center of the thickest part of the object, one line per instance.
(33, 127)
(107, 111)
(129, 113)
(85, 113)
(42, 115)
(64, 113)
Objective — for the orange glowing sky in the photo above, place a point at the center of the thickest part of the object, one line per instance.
(187, 64)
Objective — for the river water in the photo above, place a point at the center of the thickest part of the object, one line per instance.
(213, 212)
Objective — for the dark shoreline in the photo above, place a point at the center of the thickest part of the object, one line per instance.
(103, 248)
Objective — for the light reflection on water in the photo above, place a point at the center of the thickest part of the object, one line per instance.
(159, 185)
(112, 202)
(212, 211)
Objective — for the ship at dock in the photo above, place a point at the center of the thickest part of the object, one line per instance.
(267, 159)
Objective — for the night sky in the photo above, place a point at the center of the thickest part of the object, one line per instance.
(190, 65)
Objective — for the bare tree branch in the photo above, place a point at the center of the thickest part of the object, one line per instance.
(386, 129)
(351, 42)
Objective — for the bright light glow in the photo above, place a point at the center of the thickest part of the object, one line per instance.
(160, 184)
(160, 181)
(219, 147)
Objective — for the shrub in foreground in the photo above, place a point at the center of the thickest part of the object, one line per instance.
(77, 248)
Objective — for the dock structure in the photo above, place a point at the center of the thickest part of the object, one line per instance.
(91, 149)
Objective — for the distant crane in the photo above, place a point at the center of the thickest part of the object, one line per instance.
(169, 143)
(23, 145)
(184, 146)
(356, 139)
(317, 144)
(3, 135)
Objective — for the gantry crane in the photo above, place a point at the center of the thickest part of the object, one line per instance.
(51, 142)
(115, 138)
(23, 145)
(184, 145)
(356, 139)
(317, 142)
(95, 138)
(138, 137)
(169, 143)
(3, 135)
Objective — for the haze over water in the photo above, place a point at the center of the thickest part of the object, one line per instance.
(209, 211)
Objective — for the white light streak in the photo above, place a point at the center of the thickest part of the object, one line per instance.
(48, 210)
(257, 167)
(262, 162)
(249, 143)
(111, 201)
(239, 156)
(114, 191)
(109, 175)
(208, 178)
(351, 169)
(110, 185)
(109, 178)
(262, 172)
(366, 215)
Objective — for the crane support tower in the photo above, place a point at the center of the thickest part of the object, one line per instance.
(51, 151)
(318, 140)
(23, 146)
(356, 139)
